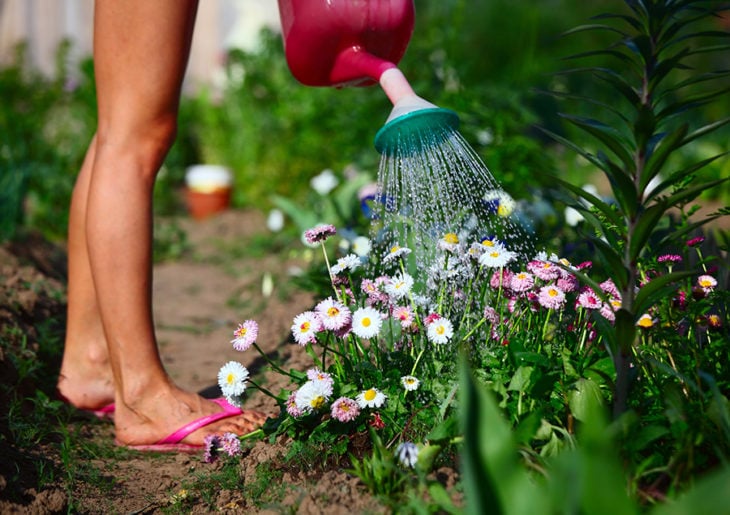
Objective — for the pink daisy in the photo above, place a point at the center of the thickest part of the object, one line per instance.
(291, 405)
(551, 297)
(319, 233)
(245, 335)
(305, 327)
(544, 270)
(333, 314)
(404, 314)
(315, 374)
(522, 282)
(589, 300)
(707, 283)
(609, 287)
(345, 409)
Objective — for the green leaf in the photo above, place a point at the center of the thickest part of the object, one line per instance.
(658, 158)
(680, 175)
(651, 292)
(689, 194)
(607, 135)
(580, 398)
(520, 380)
(604, 208)
(445, 431)
(709, 495)
(644, 227)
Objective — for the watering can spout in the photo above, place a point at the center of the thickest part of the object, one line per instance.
(356, 66)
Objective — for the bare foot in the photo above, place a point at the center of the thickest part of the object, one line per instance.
(85, 380)
(155, 417)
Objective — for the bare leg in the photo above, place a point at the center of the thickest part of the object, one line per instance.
(86, 376)
(141, 50)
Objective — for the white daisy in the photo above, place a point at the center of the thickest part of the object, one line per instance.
(312, 396)
(410, 383)
(496, 257)
(371, 398)
(366, 322)
(399, 286)
(396, 251)
(349, 262)
(440, 331)
(232, 379)
(361, 246)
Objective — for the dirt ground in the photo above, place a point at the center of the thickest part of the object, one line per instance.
(198, 301)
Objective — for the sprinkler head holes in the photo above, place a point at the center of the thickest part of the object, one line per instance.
(412, 131)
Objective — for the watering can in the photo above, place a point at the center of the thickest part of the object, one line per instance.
(344, 42)
(358, 43)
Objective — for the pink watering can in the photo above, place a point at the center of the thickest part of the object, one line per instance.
(359, 42)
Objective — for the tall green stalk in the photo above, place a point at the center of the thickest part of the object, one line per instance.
(654, 91)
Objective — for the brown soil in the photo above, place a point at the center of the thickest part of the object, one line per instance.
(199, 299)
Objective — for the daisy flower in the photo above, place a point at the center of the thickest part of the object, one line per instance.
(449, 242)
(345, 409)
(410, 383)
(361, 246)
(440, 331)
(544, 270)
(645, 321)
(232, 378)
(669, 258)
(333, 314)
(496, 257)
(312, 396)
(245, 335)
(522, 282)
(230, 444)
(491, 315)
(315, 374)
(407, 453)
(212, 444)
(609, 287)
(589, 300)
(499, 202)
(319, 233)
(371, 398)
(305, 327)
(551, 297)
(400, 286)
(707, 283)
(404, 314)
(396, 251)
(366, 322)
(291, 406)
(695, 241)
(349, 262)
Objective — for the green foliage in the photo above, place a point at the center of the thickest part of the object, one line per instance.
(587, 479)
(654, 41)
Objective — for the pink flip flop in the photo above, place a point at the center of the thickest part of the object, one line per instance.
(105, 412)
(172, 443)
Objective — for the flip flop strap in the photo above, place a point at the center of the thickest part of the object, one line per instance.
(187, 429)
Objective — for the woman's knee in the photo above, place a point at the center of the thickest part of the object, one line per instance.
(144, 143)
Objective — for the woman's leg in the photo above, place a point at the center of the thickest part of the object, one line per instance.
(141, 50)
(85, 379)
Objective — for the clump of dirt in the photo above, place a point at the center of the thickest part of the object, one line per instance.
(231, 272)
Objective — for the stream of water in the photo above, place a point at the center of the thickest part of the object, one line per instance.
(431, 182)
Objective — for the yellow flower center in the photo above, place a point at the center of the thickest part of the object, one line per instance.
(369, 395)
(451, 238)
(705, 283)
(394, 248)
(305, 327)
(440, 330)
(333, 311)
(241, 332)
(488, 243)
(553, 293)
(494, 254)
(317, 402)
(645, 322)
(230, 378)
(366, 322)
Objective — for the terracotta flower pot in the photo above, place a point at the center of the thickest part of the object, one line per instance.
(208, 190)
